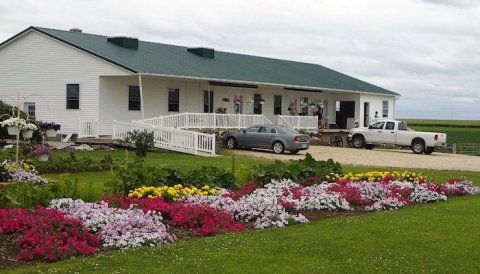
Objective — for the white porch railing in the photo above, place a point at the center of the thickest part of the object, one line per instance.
(169, 138)
(205, 120)
(299, 122)
(87, 128)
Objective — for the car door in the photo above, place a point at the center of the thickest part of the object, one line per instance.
(249, 137)
(388, 133)
(266, 135)
(373, 135)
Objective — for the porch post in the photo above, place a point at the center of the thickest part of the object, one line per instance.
(141, 95)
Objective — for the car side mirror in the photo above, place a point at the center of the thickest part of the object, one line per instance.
(244, 131)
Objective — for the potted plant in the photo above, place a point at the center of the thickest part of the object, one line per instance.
(237, 100)
(262, 101)
(226, 99)
(50, 128)
(42, 152)
(28, 129)
(14, 125)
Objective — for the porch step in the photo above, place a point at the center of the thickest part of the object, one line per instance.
(67, 138)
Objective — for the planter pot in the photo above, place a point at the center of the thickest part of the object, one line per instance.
(27, 134)
(13, 130)
(43, 158)
(51, 133)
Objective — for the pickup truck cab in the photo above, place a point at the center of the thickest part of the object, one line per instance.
(396, 133)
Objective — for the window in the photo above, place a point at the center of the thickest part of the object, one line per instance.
(277, 105)
(73, 96)
(257, 106)
(134, 98)
(208, 101)
(402, 126)
(29, 108)
(385, 109)
(253, 129)
(378, 125)
(174, 99)
(390, 126)
(304, 106)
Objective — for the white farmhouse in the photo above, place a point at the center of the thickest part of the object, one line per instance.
(86, 81)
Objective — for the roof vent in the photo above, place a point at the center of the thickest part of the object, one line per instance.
(124, 41)
(76, 30)
(203, 52)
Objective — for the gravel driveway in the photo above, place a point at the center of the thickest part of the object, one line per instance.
(404, 159)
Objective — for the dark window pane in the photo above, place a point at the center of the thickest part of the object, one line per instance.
(134, 102)
(208, 101)
(257, 106)
(73, 96)
(277, 105)
(173, 99)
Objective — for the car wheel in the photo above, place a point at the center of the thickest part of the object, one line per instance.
(358, 141)
(369, 146)
(429, 150)
(294, 151)
(232, 143)
(418, 147)
(278, 147)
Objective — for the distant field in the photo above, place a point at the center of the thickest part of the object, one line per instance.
(458, 131)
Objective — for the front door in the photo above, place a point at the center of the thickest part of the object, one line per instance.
(366, 114)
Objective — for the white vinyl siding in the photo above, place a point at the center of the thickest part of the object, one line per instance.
(39, 68)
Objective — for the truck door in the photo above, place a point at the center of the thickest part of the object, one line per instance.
(389, 133)
(374, 133)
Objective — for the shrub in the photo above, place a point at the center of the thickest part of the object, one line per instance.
(143, 141)
(73, 164)
(299, 170)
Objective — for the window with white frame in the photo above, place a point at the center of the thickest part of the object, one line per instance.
(134, 100)
(29, 108)
(385, 109)
(174, 99)
(73, 96)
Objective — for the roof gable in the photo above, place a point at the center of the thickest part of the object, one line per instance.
(163, 59)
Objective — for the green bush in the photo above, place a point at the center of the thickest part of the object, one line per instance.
(73, 164)
(137, 174)
(297, 170)
(143, 141)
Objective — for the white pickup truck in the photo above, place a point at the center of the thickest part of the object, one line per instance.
(396, 133)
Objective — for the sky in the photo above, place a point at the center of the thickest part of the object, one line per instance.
(428, 51)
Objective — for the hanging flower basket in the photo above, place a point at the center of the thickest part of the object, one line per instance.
(42, 152)
(13, 130)
(226, 99)
(27, 134)
(51, 132)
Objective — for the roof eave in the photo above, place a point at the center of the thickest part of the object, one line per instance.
(319, 89)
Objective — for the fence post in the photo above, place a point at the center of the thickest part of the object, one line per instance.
(195, 143)
(214, 143)
(454, 149)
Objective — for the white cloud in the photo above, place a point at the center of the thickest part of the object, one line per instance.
(425, 50)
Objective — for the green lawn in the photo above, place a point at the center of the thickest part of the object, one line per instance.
(439, 238)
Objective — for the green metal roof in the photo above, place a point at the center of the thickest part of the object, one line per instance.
(163, 59)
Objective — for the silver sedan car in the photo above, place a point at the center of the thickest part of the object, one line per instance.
(274, 137)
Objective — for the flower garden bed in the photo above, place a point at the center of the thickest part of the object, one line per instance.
(151, 216)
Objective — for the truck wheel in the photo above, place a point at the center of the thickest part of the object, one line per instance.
(418, 147)
(429, 150)
(358, 141)
(369, 146)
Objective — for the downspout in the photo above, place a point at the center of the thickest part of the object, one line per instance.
(141, 95)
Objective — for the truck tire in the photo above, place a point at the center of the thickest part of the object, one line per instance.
(429, 150)
(358, 141)
(418, 147)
